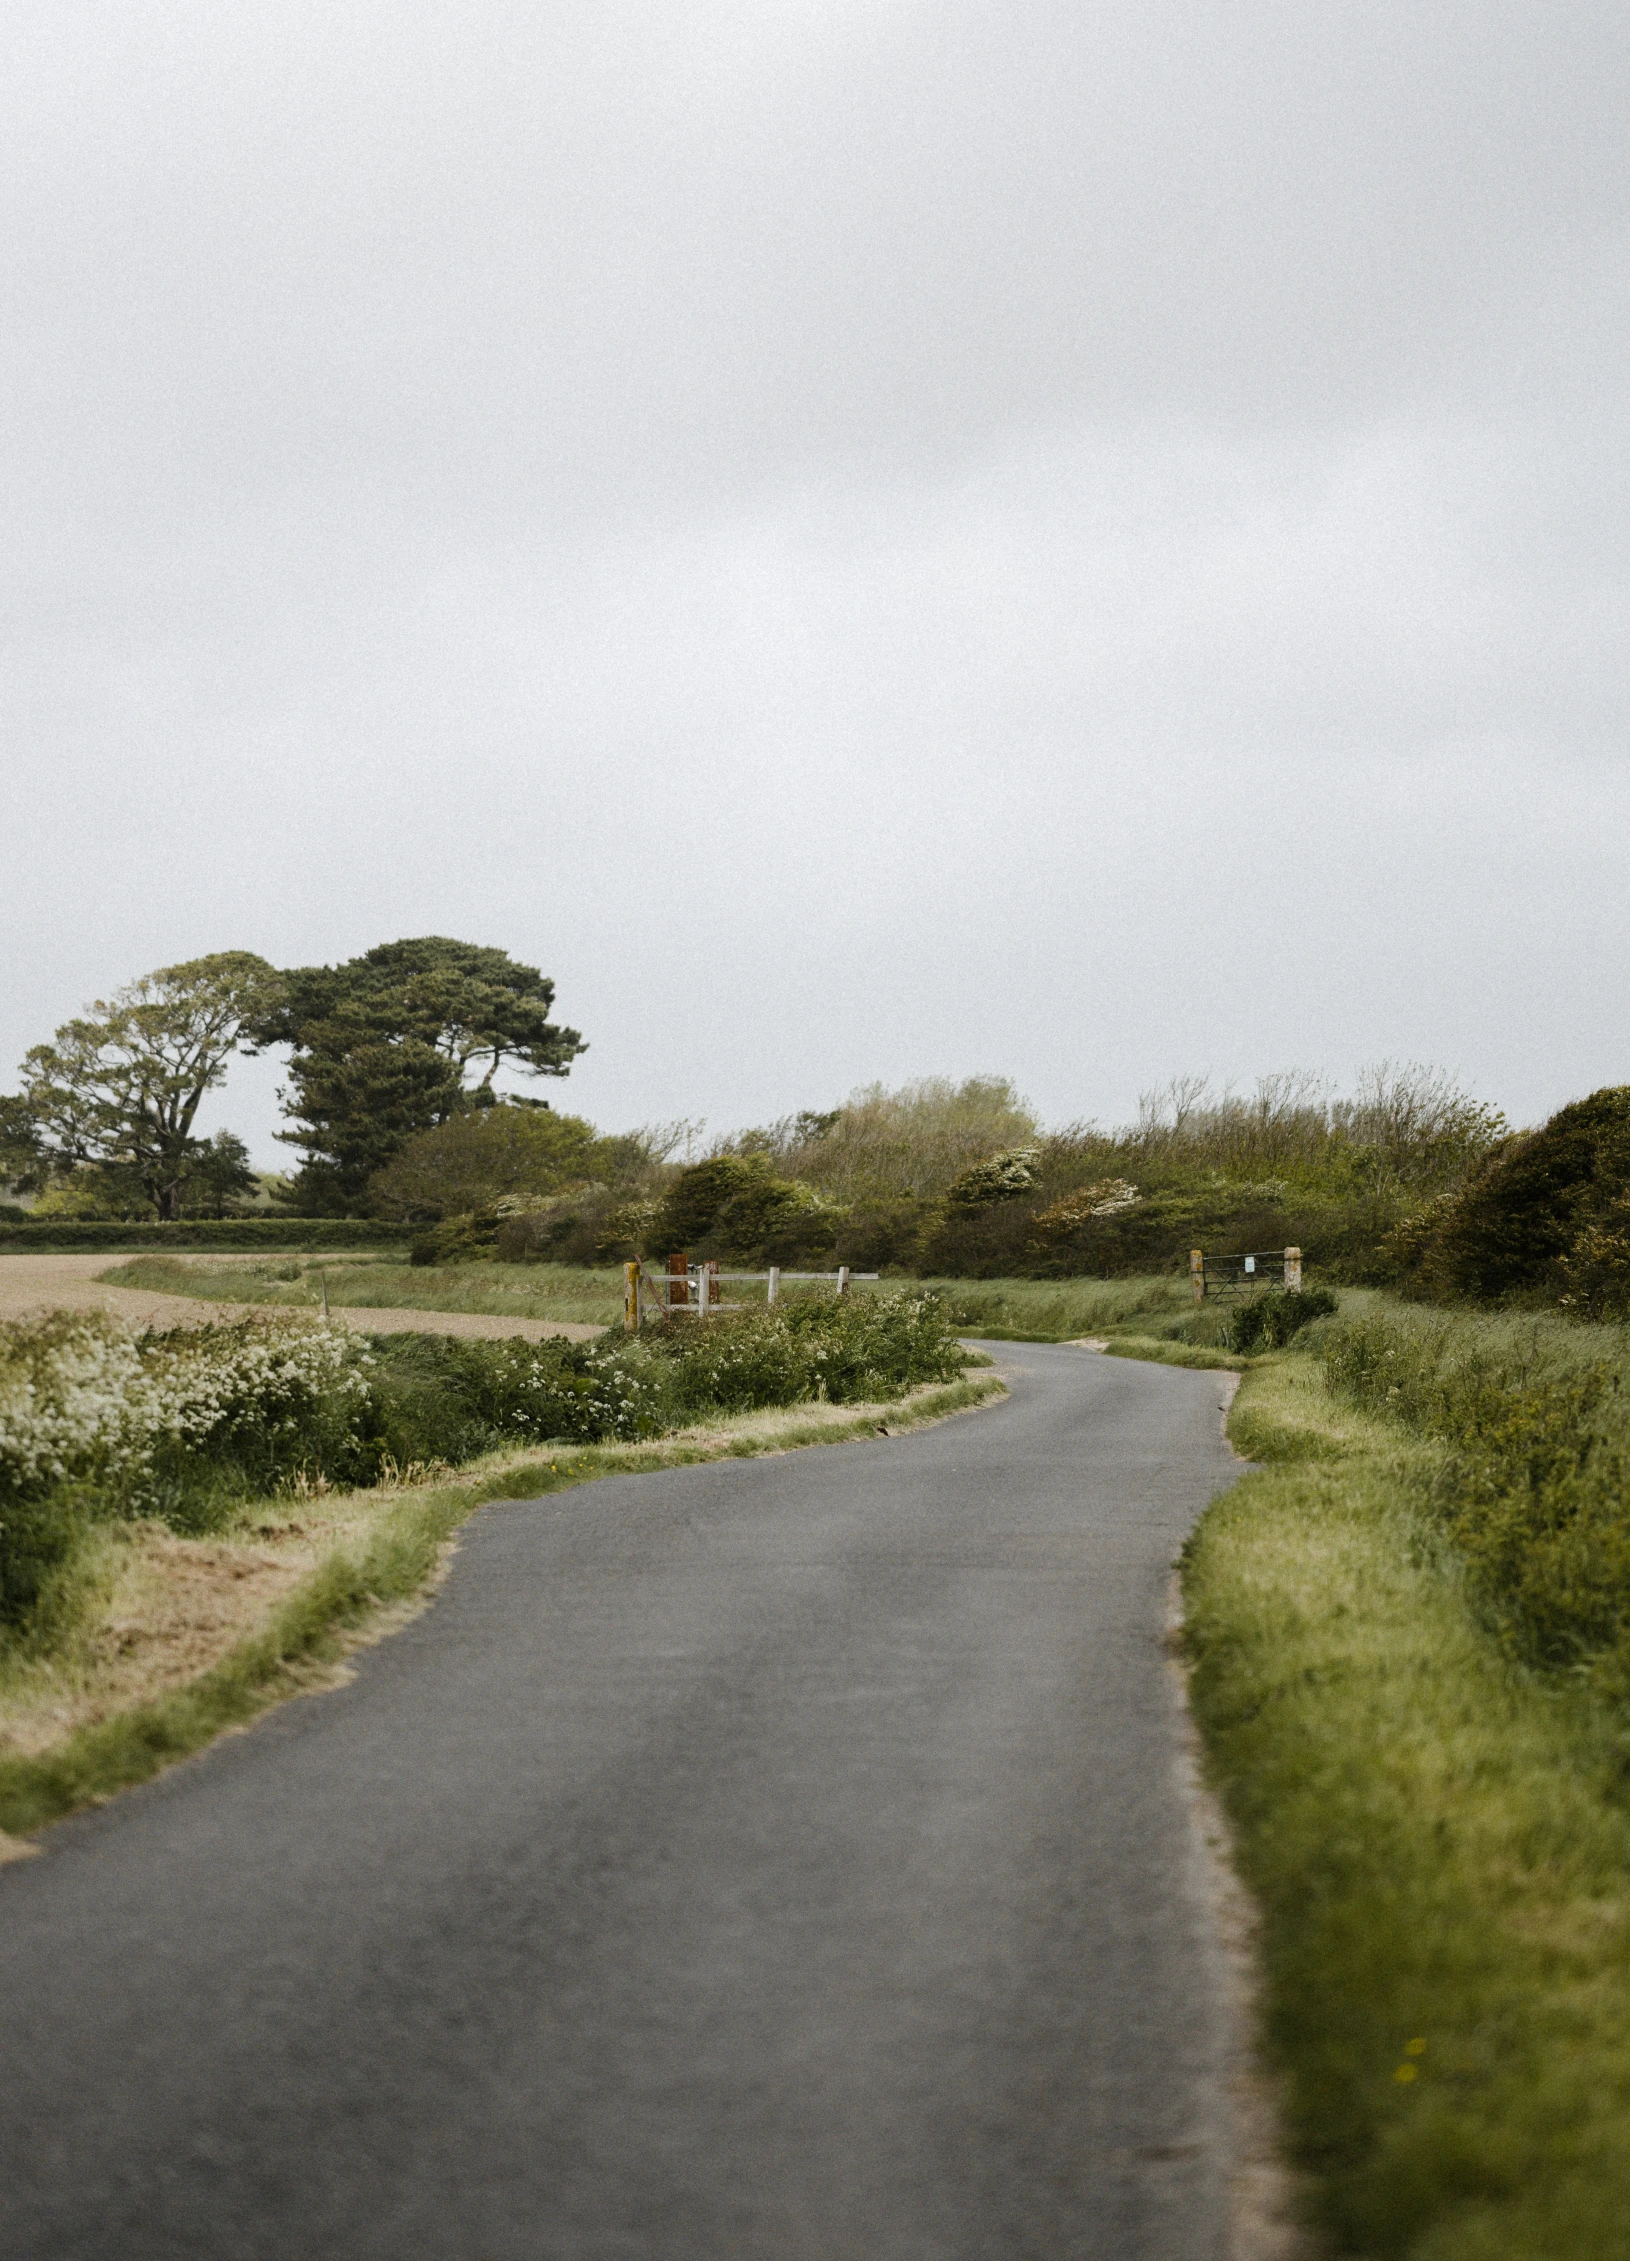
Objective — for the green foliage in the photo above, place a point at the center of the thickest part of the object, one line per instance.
(1438, 1851)
(39, 1536)
(1004, 1176)
(891, 1146)
(1545, 1215)
(220, 1179)
(735, 1206)
(477, 1159)
(1268, 1321)
(25, 1164)
(383, 1047)
(120, 1088)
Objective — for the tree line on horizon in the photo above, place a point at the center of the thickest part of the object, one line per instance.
(393, 1105)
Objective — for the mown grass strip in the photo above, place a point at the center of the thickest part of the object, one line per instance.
(1161, 1352)
(311, 1626)
(1440, 1846)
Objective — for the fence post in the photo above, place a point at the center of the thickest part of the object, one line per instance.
(1197, 1273)
(775, 1283)
(704, 1281)
(678, 1281)
(1293, 1267)
(843, 1279)
(631, 1298)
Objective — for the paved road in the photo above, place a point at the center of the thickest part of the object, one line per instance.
(776, 1860)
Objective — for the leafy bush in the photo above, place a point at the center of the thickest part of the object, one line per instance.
(735, 1206)
(1538, 1218)
(479, 1156)
(1004, 1176)
(1268, 1321)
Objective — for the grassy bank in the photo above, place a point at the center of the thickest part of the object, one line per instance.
(1436, 1826)
(391, 1545)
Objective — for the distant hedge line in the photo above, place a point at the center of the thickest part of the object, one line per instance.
(69, 1235)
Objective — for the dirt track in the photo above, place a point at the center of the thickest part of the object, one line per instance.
(69, 1283)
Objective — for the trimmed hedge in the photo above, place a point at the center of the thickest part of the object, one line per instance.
(75, 1235)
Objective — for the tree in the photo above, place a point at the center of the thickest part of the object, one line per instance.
(479, 1157)
(24, 1163)
(221, 1177)
(121, 1088)
(384, 1046)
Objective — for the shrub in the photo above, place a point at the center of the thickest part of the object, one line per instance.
(476, 1158)
(1514, 1227)
(735, 1206)
(1268, 1321)
(999, 1177)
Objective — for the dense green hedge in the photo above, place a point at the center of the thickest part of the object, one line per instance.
(75, 1235)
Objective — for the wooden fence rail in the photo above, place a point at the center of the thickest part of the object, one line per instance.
(685, 1286)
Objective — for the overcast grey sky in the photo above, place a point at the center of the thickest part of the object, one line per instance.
(867, 537)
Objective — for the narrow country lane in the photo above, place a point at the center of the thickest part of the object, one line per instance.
(779, 1859)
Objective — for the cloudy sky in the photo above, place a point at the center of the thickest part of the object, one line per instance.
(869, 538)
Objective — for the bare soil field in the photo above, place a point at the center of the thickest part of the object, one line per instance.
(33, 1283)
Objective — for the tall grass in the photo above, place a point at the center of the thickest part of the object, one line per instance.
(1058, 1310)
(534, 1291)
(1535, 1488)
(1438, 1842)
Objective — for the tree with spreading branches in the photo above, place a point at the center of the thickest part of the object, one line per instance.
(121, 1087)
(397, 1041)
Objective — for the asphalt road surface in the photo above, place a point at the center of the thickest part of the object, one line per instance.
(776, 1860)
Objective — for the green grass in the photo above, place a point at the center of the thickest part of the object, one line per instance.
(1058, 1310)
(1440, 1844)
(311, 1627)
(503, 1291)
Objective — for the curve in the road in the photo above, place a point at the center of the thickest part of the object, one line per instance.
(779, 1859)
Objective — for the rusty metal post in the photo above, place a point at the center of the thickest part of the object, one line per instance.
(631, 1298)
(1197, 1273)
(679, 1281)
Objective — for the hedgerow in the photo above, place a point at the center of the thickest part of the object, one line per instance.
(98, 1422)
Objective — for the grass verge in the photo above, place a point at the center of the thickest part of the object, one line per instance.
(391, 1564)
(1439, 1842)
(1159, 1351)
